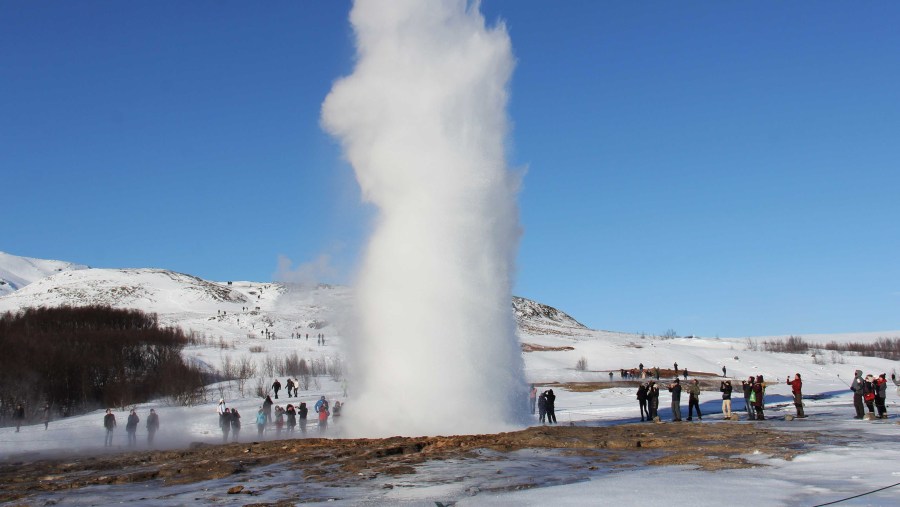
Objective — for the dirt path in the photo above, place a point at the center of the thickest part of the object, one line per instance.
(356, 461)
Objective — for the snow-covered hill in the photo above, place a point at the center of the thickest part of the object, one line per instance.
(209, 307)
(263, 322)
(17, 272)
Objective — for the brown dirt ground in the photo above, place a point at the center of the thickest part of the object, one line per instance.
(709, 446)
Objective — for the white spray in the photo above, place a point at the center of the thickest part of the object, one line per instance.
(423, 122)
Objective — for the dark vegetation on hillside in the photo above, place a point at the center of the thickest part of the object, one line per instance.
(885, 348)
(79, 359)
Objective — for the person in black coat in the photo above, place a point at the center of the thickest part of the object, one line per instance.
(19, 416)
(726, 389)
(109, 422)
(131, 428)
(226, 424)
(152, 426)
(550, 406)
(302, 411)
(276, 386)
(675, 389)
(267, 409)
(235, 425)
(542, 407)
(642, 401)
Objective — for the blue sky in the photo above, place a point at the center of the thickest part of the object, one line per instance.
(716, 168)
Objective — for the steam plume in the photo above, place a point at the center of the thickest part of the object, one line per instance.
(422, 121)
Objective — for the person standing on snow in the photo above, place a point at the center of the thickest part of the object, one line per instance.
(267, 409)
(152, 426)
(881, 395)
(279, 420)
(235, 425)
(694, 400)
(747, 386)
(47, 415)
(550, 405)
(542, 407)
(19, 415)
(276, 386)
(290, 386)
(322, 410)
(726, 389)
(532, 398)
(796, 389)
(857, 388)
(652, 400)
(869, 393)
(291, 414)
(261, 422)
(675, 389)
(226, 424)
(109, 422)
(131, 428)
(321, 403)
(302, 412)
(642, 401)
(220, 409)
(758, 395)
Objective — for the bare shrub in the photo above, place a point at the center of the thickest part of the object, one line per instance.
(581, 365)
(269, 365)
(261, 390)
(336, 369)
(885, 348)
(256, 349)
(305, 379)
(229, 370)
(793, 345)
(246, 369)
(292, 365)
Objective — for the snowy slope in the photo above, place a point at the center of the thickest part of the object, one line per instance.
(240, 315)
(17, 272)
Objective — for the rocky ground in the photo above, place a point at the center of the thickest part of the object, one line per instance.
(383, 462)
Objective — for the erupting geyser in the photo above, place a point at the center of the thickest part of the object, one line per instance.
(423, 121)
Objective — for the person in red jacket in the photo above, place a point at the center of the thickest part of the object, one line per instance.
(323, 418)
(796, 387)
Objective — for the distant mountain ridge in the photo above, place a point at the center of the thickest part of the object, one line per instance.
(186, 300)
(17, 272)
